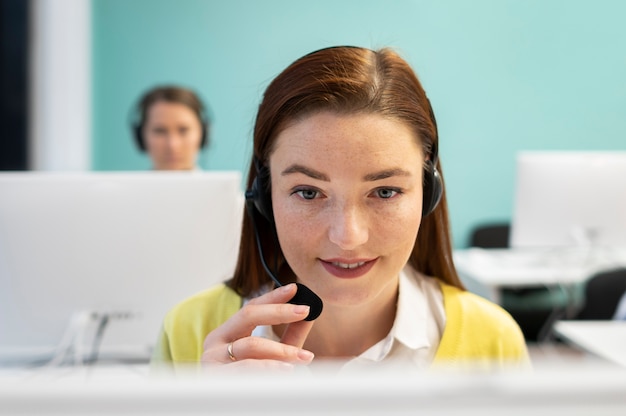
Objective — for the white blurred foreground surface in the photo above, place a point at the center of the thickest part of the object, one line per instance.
(561, 388)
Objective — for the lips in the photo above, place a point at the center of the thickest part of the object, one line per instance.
(347, 269)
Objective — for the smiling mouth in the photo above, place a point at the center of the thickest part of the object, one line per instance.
(348, 270)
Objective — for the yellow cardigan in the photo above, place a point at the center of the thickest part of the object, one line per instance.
(478, 333)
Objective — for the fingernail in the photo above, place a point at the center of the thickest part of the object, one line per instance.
(305, 355)
(286, 288)
(301, 309)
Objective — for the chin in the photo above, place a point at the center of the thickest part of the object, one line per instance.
(355, 292)
(175, 167)
(346, 295)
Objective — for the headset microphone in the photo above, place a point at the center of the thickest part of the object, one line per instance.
(304, 295)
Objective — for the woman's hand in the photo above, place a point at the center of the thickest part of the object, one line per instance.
(232, 343)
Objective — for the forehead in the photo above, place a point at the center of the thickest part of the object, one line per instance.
(328, 137)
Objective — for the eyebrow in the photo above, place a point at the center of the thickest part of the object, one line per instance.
(384, 174)
(312, 173)
(370, 177)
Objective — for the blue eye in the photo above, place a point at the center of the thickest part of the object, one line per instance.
(386, 193)
(307, 193)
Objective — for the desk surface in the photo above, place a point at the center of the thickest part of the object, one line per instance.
(606, 339)
(526, 267)
(486, 271)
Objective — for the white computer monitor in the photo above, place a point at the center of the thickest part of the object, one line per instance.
(133, 243)
(569, 199)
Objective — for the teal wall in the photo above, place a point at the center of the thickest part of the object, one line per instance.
(503, 75)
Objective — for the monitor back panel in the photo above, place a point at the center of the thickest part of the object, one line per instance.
(131, 244)
(570, 199)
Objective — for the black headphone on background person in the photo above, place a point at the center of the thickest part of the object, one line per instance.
(138, 125)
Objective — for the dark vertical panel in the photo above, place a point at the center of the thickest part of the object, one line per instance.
(14, 84)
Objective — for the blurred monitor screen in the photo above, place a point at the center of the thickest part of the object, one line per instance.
(127, 244)
(570, 198)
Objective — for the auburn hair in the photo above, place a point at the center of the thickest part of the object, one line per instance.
(172, 94)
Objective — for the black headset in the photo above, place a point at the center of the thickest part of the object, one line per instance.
(259, 193)
(433, 185)
(137, 128)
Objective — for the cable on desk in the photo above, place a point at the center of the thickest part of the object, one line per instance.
(545, 333)
(73, 339)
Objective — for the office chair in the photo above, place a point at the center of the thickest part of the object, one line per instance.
(602, 294)
(494, 235)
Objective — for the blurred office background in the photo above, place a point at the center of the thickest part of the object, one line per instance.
(502, 75)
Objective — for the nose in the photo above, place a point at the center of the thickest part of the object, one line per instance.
(348, 227)
(173, 141)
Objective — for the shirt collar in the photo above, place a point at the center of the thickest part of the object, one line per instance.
(410, 326)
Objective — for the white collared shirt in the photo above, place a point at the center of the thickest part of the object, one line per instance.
(417, 328)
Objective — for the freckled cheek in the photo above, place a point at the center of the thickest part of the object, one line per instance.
(397, 230)
(296, 228)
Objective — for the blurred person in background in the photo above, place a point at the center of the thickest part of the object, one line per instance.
(172, 127)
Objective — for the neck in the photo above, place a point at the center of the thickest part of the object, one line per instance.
(348, 331)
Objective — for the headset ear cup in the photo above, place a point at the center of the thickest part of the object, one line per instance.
(203, 139)
(259, 195)
(137, 134)
(433, 189)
